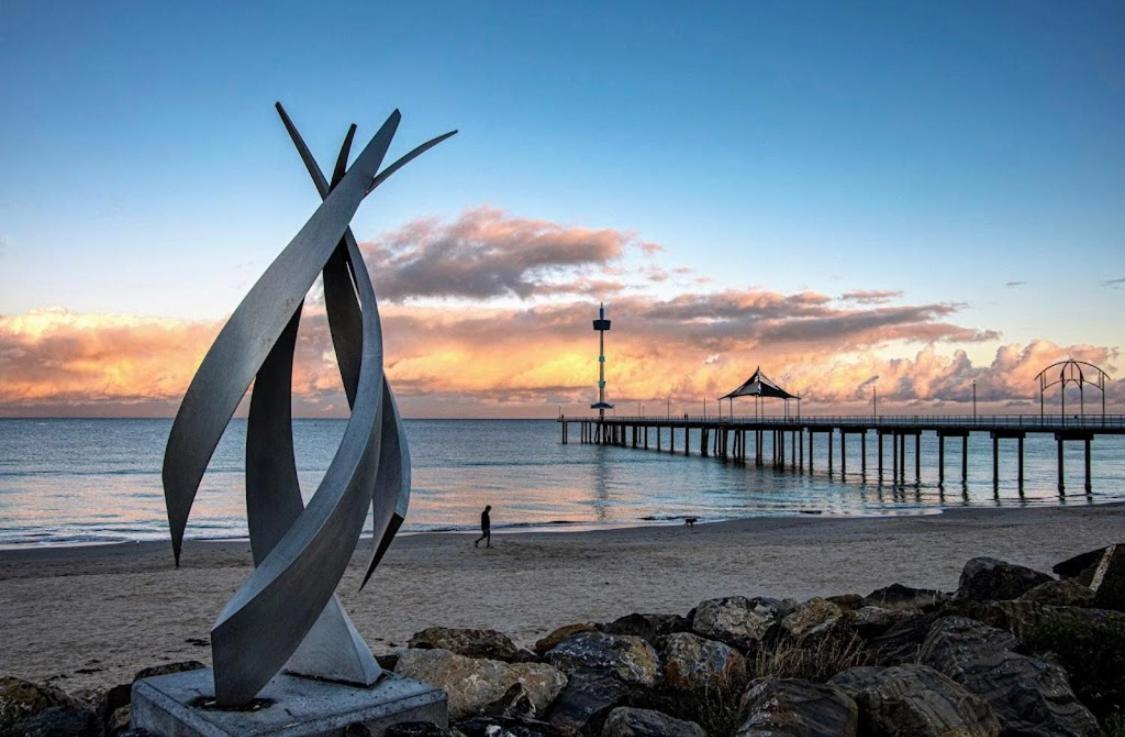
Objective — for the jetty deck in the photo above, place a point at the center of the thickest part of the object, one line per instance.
(742, 439)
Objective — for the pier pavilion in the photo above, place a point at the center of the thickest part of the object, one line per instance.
(741, 439)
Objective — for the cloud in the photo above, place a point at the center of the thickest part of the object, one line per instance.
(491, 360)
(1117, 283)
(870, 296)
(487, 253)
(490, 357)
(1011, 284)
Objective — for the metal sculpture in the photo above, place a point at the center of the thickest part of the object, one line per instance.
(286, 615)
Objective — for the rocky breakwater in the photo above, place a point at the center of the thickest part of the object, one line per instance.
(1012, 653)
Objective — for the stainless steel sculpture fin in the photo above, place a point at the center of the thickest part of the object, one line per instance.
(286, 615)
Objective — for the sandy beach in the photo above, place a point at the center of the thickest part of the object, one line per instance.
(87, 617)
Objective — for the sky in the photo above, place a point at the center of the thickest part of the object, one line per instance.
(906, 198)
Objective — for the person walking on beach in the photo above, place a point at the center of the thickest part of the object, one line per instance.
(485, 528)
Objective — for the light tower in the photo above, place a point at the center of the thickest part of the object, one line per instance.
(602, 326)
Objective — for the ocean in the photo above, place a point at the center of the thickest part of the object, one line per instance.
(76, 481)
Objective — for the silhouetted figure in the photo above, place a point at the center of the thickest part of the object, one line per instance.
(485, 528)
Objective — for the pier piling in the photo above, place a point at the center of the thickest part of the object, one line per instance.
(729, 438)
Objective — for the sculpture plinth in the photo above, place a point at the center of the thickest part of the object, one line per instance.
(285, 618)
(178, 705)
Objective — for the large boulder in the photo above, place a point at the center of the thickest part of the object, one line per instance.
(472, 684)
(1108, 580)
(915, 701)
(64, 720)
(1081, 567)
(815, 616)
(847, 602)
(516, 703)
(630, 658)
(416, 729)
(493, 727)
(647, 626)
(1088, 643)
(588, 698)
(737, 620)
(694, 664)
(548, 642)
(1030, 697)
(34, 709)
(897, 596)
(626, 721)
(20, 698)
(1060, 593)
(471, 643)
(164, 669)
(1103, 571)
(890, 636)
(791, 707)
(501, 727)
(990, 579)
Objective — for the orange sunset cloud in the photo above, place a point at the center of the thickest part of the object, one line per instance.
(455, 346)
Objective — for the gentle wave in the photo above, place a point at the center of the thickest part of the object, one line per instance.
(90, 481)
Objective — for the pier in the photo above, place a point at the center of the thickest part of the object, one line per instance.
(743, 439)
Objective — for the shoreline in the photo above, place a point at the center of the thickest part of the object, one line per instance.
(91, 616)
(576, 526)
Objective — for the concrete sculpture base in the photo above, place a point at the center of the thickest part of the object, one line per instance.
(181, 705)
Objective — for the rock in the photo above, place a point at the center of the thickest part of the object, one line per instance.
(1060, 593)
(989, 579)
(63, 720)
(791, 707)
(471, 643)
(813, 617)
(21, 700)
(1081, 567)
(631, 659)
(953, 640)
(111, 702)
(472, 684)
(585, 702)
(847, 602)
(1029, 697)
(548, 643)
(501, 727)
(118, 720)
(416, 729)
(516, 703)
(898, 596)
(693, 664)
(891, 636)
(737, 620)
(166, 668)
(1108, 580)
(387, 661)
(628, 722)
(914, 701)
(647, 626)
(1088, 643)
(1103, 571)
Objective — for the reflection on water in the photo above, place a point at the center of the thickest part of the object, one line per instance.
(65, 481)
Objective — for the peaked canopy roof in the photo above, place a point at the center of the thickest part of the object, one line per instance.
(759, 385)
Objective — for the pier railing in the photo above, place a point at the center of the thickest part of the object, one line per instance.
(1044, 423)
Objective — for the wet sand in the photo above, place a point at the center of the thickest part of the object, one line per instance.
(89, 617)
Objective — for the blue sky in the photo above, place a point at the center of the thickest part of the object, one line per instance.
(941, 149)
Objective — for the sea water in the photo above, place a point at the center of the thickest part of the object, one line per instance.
(68, 481)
